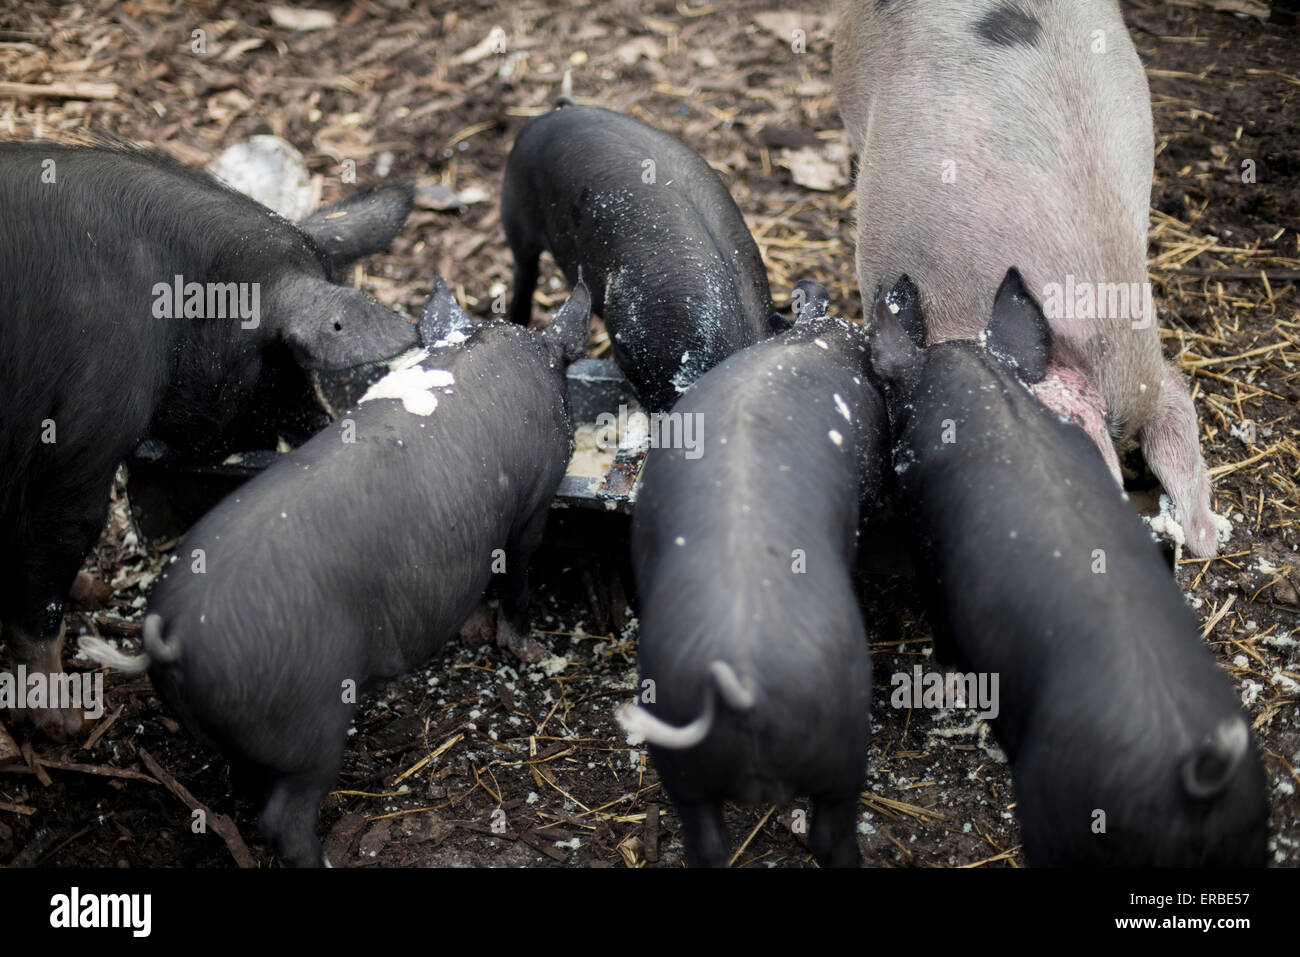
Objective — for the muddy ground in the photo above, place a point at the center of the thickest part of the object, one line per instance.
(437, 753)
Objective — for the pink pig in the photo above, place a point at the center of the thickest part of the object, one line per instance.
(993, 134)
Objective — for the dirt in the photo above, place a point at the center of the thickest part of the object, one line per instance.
(477, 759)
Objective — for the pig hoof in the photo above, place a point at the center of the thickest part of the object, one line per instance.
(528, 651)
(519, 642)
(479, 627)
(58, 724)
(1206, 532)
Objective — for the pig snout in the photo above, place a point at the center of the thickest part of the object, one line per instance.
(1207, 772)
(333, 327)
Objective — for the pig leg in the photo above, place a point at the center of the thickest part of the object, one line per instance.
(479, 627)
(518, 637)
(705, 834)
(288, 818)
(44, 655)
(50, 552)
(513, 624)
(525, 281)
(834, 834)
(1170, 446)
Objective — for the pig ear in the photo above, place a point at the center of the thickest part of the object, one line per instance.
(334, 327)
(566, 336)
(905, 301)
(442, 316)
(895, 358)
(1017, 332)
(810, 300)
(359, 225)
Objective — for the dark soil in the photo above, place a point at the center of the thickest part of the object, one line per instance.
(476, 739)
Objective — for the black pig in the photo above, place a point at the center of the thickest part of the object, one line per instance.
(359, 555)
(1127, 744)
(98, 352)
(744, 554)
(672, 268)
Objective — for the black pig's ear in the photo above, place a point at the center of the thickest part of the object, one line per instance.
(1017, 332)
(442, 316)
(566, 336)
(810, 300)
(895, 357)
(906, 301)
(359, 225)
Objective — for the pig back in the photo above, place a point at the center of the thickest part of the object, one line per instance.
(1048, 579)
(745, 554)
(365, 549)
(672, 268)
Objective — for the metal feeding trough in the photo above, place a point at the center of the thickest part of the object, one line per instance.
(168, 494)
(596, 387)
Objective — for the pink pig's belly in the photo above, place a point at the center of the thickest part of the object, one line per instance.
(959, 216)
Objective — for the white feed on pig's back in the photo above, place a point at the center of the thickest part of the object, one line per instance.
(414, 386)
(687, 373)
(625, 303)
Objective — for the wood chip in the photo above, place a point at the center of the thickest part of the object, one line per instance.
(303, 20)
(64, 91)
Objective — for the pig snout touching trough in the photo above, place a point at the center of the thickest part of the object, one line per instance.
(989, 133)
(672, 267)
(753, 656)
(141, 299)
(359, 555)
(1128, 745)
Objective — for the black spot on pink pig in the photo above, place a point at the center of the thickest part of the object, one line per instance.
(672, 268)
(1127, 743)
(990, 132)
(359, 555)
(141, 299)
(756, 679)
